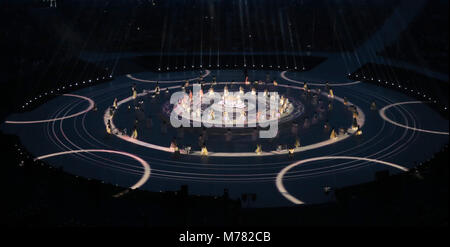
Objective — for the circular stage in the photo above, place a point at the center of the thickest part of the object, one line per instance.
(331, 134)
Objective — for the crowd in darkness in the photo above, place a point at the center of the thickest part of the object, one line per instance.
(425, 41)
(47, 196)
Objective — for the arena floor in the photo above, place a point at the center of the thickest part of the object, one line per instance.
(67, 132)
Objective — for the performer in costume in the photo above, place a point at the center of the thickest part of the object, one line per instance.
(134, 135)
(275, 83)
(258, 149)
(108, 127)
(204, 151)
(157, 89)
(333, 134)
(297, 142)
(173, 145)
(115, 104)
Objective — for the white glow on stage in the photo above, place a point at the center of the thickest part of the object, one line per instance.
(283, 75)
(90, 107)
(207, 72)
(285, 193)
(383, 115)
(144, 164)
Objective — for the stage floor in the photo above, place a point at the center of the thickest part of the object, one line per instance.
(395, 137)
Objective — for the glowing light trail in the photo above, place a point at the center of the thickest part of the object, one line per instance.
(384, 117)
(174, 81)
(285, 193)
(142, 181)
(90, 107)
(283, 75)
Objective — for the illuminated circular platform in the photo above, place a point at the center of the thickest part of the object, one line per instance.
(399, 134)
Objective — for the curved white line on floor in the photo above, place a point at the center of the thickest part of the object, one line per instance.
(90, 107)
(142, 181)
(285, 193)
(174, 81)
(384, 117)
(283, 75)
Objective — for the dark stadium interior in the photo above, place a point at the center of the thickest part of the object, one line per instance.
(54, 47)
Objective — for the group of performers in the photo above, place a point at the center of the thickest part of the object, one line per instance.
(113, 109)
(290, 148)
(227, 101)
(230, 100)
